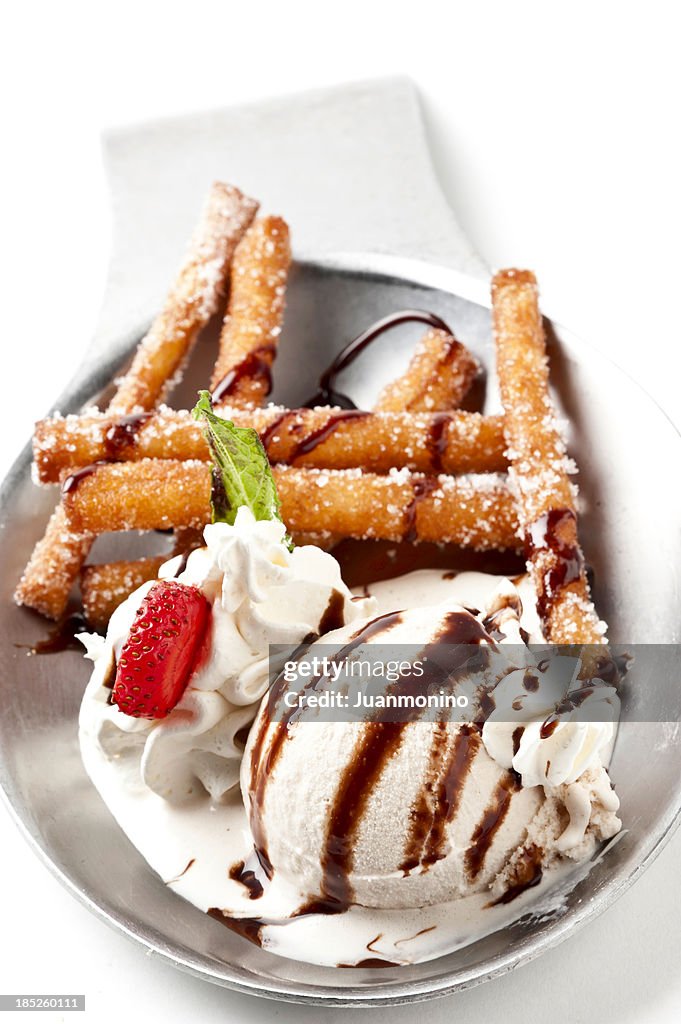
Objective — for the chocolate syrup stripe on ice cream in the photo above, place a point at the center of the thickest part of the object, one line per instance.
(334, 614)
(490, 823)
(438, 799)
(379, 743)
(260, 771)
(435, 805)
(528, 873)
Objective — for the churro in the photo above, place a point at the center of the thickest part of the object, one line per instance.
(472, 511)
(55, 562)
(414, 468)
(190, 304)
(439, 376)
(53, 567)
(454, 442)
(104, 586)
(539, 466)
(440, 442)
(252, 325)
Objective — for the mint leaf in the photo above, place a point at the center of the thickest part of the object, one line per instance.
(241, 470)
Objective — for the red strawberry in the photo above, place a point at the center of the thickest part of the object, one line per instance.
(162, 650)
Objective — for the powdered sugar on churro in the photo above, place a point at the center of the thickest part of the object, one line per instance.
(439, 376)
(540, 469)
(156, 367)
(253, 321)
(190, 303)
(457, 442)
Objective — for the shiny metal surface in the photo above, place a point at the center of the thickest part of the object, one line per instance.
(625, 447)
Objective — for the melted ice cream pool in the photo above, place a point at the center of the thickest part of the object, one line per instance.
(201, 844)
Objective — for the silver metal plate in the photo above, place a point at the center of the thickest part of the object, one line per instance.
(625, 448)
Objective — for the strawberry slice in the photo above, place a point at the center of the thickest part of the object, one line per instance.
(162, 650)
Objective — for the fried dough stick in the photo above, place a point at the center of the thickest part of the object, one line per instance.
(438, 377)
(105, 585)
(250, 333)
(58, 556)
(540, 468)
(190, 303)
(456, 442)
(242, 371)
(473, 511)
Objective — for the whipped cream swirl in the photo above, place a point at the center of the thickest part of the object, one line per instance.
(261, 594)
(552, 728)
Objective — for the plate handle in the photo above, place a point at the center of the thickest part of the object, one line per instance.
(349, 167)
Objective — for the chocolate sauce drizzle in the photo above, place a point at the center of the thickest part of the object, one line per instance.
(271, 431)
(549, 532)
(327, 395)
(370, 961)
(256, 365)
(516, 738)
(548, 727)
(379, 743)
(491, 622)
(439, 798)
(74, 480)
(611, 668)
(490, 823)
(447, 655)
(248, 927)
(423, 487)
(190, 864)
(63, 636)
(436, 441)
(528, 874)
(248, 878)
(410, 938)
(530, 681)
(334, 614)
(262, 765)
(307, 443)
(449, 658)
(122, 435)
(318, 436)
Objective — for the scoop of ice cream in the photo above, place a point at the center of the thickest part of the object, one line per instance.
(261, 593)
(401, 812)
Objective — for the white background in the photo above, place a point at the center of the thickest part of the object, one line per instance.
(555, 134)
